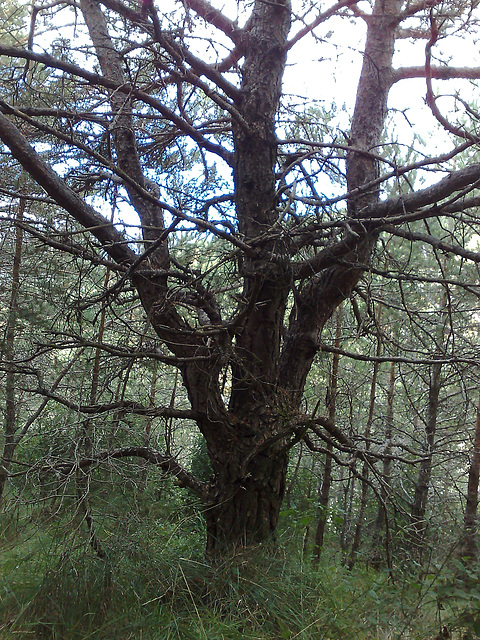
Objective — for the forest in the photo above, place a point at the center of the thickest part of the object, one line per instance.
(239, 319)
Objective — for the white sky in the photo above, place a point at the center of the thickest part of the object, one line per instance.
(328, 72)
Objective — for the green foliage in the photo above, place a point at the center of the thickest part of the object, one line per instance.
(154, 584)
(12, 21)
(457, 595)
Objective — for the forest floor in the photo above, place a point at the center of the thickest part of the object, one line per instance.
(153, 584)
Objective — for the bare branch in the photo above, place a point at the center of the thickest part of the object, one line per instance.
(167, 464)
(215, 17)
(431, 99)
(319, 19)
(413, 361)
(124, 406)
(126, 89)
(436, 243)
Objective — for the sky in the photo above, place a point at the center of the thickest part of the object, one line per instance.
(328, 71)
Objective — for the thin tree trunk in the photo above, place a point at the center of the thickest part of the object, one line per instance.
(142, 484)
(291, 484)
(86, 445)
(10, 415)
(306, 533)
(380, 534)
(347, 503)
(324, 493)
(418, 523)
(418, 515)
(468, 548)
(365, 469)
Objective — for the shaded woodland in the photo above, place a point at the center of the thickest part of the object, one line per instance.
(239, 368)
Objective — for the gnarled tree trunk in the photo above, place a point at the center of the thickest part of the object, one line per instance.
(247, 498)
(248, 434)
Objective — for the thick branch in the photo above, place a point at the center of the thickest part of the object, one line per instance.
(215, 17)
(438, 73)
(113, 242)
(317, 299)
(167, 464)
(463, 179)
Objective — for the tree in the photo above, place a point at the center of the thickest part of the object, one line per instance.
(419, 506)
(365, 470)
(145, 100)
(468, 547)
(324, 486)
(10, 426)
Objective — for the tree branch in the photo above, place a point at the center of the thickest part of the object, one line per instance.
(126, 89)
(464, 179)
(167, 464)
(318, 20)
(123, 406)
(413, 361)
(436, 243)
(215, 17)
(438, 73)
(114, 243)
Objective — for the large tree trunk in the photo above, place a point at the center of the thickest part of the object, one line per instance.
(250, 468)
(246, 505)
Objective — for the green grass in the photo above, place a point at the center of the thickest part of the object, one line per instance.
(155, 585)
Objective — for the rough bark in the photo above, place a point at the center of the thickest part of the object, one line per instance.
(246, 499)
(266, 285)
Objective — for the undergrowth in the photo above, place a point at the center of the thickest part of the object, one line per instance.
(154, 584)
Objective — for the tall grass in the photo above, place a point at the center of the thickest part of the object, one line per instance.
(154, 584)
